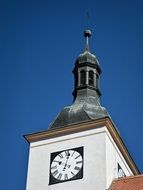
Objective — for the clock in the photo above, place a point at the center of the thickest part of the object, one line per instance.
(120, 171)
(66, 165)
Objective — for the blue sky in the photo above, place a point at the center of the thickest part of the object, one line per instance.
(39, 43)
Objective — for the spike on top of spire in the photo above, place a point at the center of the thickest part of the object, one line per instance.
(87, 34)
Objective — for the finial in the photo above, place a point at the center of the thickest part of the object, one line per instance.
(87, 34)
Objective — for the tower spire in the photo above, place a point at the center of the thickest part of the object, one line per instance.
(86, 105)
(87, 34)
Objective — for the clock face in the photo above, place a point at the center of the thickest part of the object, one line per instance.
(120, 171)
(66, 165)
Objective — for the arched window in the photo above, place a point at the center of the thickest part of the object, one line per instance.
(82, 77)
(97, 81)
(91, 78)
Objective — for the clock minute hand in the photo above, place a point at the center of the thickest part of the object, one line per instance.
(66, 163)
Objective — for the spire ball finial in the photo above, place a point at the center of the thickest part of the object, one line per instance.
(87, 33)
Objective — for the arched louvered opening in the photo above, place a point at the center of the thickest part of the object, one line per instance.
(91, 78)
(97, 81)
(82, 78)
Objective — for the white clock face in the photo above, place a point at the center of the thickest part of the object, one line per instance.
(66, 165)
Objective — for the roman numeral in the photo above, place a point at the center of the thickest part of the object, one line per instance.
(73, 153)
(59, 176)
(77, 156)
(77, 168)
(60, 155)
(66, 177)
(55, 173)
(53, 167)
(78, 162)
(67, 152)
(55, 161)
(72, 173)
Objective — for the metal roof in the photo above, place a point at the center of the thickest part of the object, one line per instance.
(86, 107)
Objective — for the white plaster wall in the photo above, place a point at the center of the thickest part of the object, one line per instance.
(113, 157)
(101, 156)
(94, 173)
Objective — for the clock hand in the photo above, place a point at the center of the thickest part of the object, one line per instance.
(66, 163)
(63, 164)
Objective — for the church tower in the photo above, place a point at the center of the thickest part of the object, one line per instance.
(82, 149)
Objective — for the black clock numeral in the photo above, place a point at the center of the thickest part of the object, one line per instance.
(78, 162)
(59, 176)
(77, 156)
(73, 153)
(66, 177)
(72, 173)
(60, 155)
(55, 161)
(77, 168)
(55, 173)
(67, 153)
(53, 167)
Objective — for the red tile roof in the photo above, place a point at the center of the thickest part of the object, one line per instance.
(128, 183)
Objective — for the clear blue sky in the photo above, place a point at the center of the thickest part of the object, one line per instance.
(39, 43)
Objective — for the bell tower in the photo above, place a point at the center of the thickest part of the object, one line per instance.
(86, 105)
(82, 149)
(86, 71)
